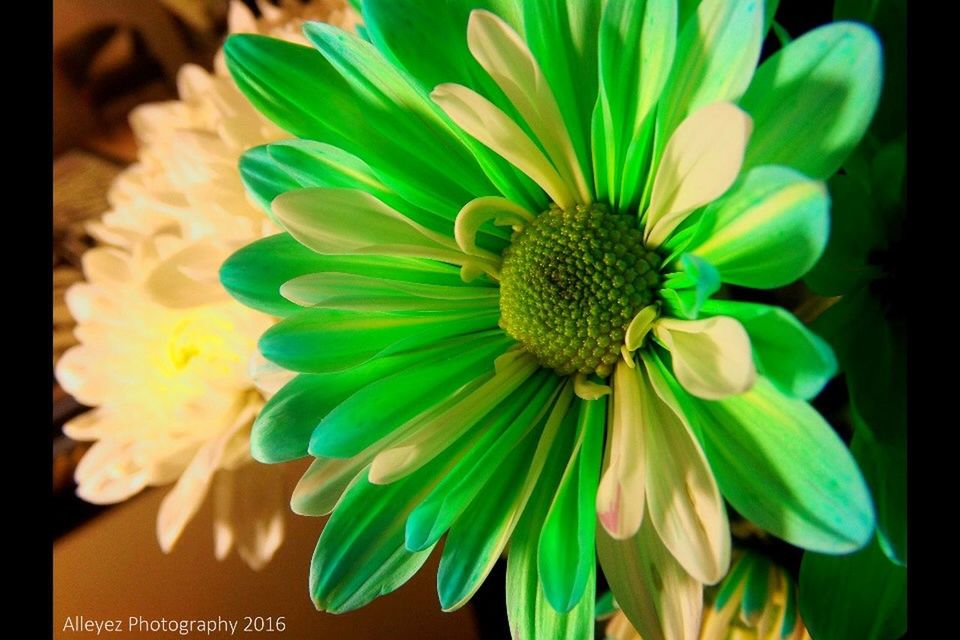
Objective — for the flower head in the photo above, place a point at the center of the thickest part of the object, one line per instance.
(504, 231)
(756, 601)
(165, 354)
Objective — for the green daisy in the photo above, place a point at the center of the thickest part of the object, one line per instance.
(505, 224)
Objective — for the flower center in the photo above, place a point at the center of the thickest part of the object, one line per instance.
(570, 284)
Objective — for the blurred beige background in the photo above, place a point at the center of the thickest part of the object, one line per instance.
(111, 567)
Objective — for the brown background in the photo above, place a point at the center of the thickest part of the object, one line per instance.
(112, 567)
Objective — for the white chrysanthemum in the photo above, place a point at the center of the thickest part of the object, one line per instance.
(167, 359)
(173, 400)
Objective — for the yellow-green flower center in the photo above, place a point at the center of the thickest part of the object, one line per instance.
(571, 282)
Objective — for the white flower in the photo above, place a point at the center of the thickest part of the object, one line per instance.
(166, 358)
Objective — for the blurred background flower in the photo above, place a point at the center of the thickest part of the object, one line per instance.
(167, 359)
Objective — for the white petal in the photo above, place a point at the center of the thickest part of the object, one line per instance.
(661, 600)
(480, 210)
(268, 377)
(107, 474)
(103, 265)
(184, 500)
(240, 18)
(712, 358)
(639, 327)
(174, 283)
(682, 495)
(348, 221)
(620, 496)
(505, 56)
(700, 162)
(487, 123)
(248, 512)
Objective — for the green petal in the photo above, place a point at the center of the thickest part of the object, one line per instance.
(504, 433)
(385, 121)
(862, 595)
(716, 55)
(631, 79)
(757, 586)
(768, 230)
(769, 11)
(812, 100)
(686, 291)
(871, 346)
(528, 610)
(377, 409)
(888, 18)
(797, 361)
(494, 520)
(335, 290)
(567, 551)
(854, 233)
(360, 555)
(324, 340)
(477, 540)
(429, 41)
(606, 606)
(563, 36)
(885, 468)
(351, 221)
(301, 164)
(782, 466)
(263, 179)
(254, 274)
(324, 482)
(661, 600)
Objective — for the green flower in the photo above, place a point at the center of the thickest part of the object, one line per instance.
(757, 600)
(506, 222)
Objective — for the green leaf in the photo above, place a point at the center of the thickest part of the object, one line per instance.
(871, 346)
(885, 468)
(855, 231)
(797, 361)
(783, 467)
(567, 550)
(324, 340)
(812, 101)
(768, 230)
(862, 595)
